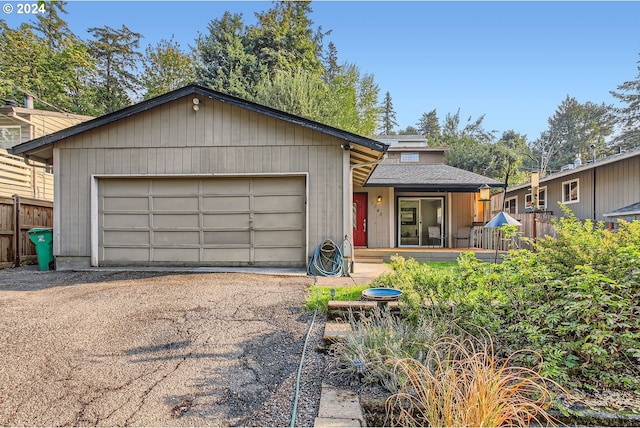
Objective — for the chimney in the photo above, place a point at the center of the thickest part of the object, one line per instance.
(578, 160)
(28, 101)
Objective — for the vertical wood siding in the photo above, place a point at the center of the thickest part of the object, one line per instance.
(219, 138)
(617, 184)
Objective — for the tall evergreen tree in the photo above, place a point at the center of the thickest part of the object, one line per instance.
(165, 68)
(628, 116)
(116, 54)
(388, 115)
(224, 61)
(52, 28)
(429, 126)
(283, 38)
(573, 128)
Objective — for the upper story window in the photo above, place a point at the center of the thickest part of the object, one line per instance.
(571, 191)
(410, 157)
(511, 205)
(9, 136)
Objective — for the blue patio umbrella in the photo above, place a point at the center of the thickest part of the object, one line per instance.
(501, 219)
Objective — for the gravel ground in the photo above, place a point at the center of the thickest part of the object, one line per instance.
(155, 349)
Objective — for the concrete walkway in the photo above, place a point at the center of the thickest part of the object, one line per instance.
(339, 408)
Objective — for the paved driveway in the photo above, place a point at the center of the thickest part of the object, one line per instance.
(144, 349)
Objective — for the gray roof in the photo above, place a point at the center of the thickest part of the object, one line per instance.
(428, 177)
(633, 209)
(194, 89)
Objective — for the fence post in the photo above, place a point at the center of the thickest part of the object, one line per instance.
(17, 232)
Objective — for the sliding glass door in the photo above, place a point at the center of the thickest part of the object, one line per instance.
(420, 222)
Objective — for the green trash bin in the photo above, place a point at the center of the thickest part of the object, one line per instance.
(42, 237)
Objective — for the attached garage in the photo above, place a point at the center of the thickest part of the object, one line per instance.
(239, 221)
(229, 183)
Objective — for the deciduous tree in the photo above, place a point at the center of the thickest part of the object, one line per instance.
(116, 54)
(165, 68)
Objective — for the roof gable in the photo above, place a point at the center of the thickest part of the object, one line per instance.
(37, 145)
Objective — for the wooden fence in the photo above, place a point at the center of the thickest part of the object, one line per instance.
(17, 216)
(490, 238)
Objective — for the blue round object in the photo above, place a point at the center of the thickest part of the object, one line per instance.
(381, 294)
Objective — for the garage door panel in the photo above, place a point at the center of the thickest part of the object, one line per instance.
(126, 254)
(125, 186)
(125, 237)
(202, 221)
(278, 202)
(238, 220)
(227, 238)
(279, 237)
(227, 186)
(290, 256)
(176, 220)
(175, 203)
(176, 254)
(132, 220)
(128, 204)
(227, 255)
(277, 184)
(226, 203)
(275, 220)
(176, 238)
(173, 187)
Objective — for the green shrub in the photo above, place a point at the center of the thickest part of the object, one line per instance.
(575, 300)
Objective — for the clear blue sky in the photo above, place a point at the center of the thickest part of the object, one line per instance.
(515, 62)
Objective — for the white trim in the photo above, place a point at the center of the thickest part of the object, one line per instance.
(95, 233)
(510, 198)
(57, 212)
(577, 181)
(94, 199)
(347, 201)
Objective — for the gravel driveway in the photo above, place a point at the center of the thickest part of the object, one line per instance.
(154, 349)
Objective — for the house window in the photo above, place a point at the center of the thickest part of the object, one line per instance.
(542, 199)
(570, 191)
(409, 157)
(9, 136)
(511, 205)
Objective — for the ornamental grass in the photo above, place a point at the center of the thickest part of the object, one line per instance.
(461, 384)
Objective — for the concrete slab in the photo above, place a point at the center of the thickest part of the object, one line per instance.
(335, 423)
(340, 404)
(335, 330)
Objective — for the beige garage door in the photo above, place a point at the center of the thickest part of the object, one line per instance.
(239, 221)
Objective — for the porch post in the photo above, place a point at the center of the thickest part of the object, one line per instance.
(347, 201)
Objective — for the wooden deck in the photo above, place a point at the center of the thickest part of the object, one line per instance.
(379, 255)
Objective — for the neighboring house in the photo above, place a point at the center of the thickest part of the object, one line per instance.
(413, 199)
(196, 177)
(604, 190)
(18, 125)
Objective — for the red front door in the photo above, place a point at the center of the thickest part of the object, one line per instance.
(360, 219)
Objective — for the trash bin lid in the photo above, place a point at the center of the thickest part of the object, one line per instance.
(40, 229)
